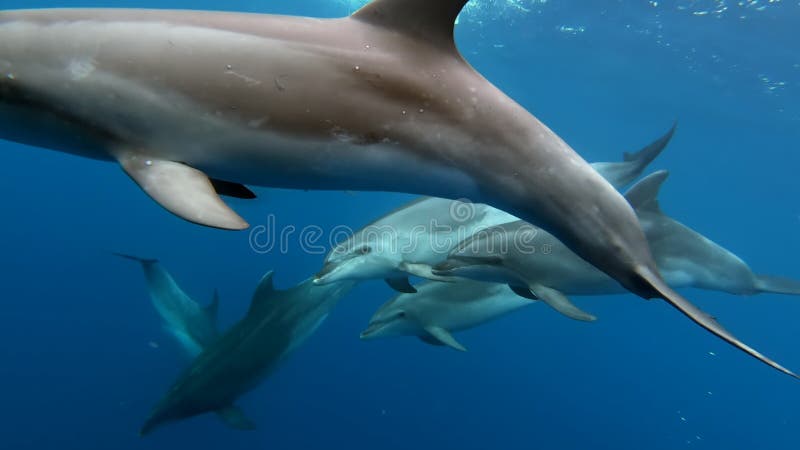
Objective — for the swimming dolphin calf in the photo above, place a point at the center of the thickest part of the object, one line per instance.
(380, 100)
(277, 322)
(438, 309)
(414, 237)
(536, 265)
(192, 325)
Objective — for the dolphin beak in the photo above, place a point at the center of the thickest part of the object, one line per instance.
(453, 263)
(371, 329)
(324, 275)
(447, 267)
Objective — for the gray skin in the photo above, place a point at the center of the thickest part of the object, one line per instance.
(192, 325)
(536, 265)
(415, 237)
(441, 308)
(276, 324)
(381, 100)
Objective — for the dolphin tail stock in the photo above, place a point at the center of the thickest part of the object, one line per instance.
(777, 285)
(702, 318)
(135, 258)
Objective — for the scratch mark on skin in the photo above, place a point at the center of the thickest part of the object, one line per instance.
(250, 81)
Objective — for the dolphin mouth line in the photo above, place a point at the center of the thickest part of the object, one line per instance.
(453, 263)
(370, 330)
(327, 270)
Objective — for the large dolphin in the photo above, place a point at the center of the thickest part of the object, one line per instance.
(439, 309)
(536, 265)
(416, 236)
(192, 325)
(277, 322)
(380, 100)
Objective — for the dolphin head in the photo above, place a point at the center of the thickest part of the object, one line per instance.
(357, 259)
(394, 318)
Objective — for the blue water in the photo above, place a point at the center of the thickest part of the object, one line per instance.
(84, 357)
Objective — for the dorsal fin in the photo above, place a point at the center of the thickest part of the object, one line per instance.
(643, 196)
(432, 20)
(264, 291)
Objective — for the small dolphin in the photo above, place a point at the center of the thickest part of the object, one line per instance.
(192, 325)
(381, 100)
(538, 266)
(439, 309)
(275, 325)
(415, 237)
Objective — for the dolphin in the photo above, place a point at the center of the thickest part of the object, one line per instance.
(439, 309)
(379, 100)
(538, 266)
(192, 325)
(277, 322)
(414, 237)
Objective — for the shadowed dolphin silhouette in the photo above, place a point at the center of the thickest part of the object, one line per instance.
(277, 322)
(380, 100)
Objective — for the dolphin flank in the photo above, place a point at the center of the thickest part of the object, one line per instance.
(380, 100)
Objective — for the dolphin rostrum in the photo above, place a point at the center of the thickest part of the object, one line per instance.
(277, 322)
(416, 236)
(439, 309)
(536, 265)
(380, 100)
(192, 325)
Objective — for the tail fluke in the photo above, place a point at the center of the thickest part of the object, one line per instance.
(777, 285)
(705, 320)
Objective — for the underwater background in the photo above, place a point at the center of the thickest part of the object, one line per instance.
(83, 357)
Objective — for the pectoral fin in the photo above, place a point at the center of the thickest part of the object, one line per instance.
(182, 190)
(444, 337)
(401, 284)
(560, 303)
(235, 418)
(428, 339)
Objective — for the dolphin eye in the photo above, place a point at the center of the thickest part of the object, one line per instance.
(365, 249)
(401, 314)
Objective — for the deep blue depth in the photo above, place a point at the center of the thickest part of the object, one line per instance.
(76, 326)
